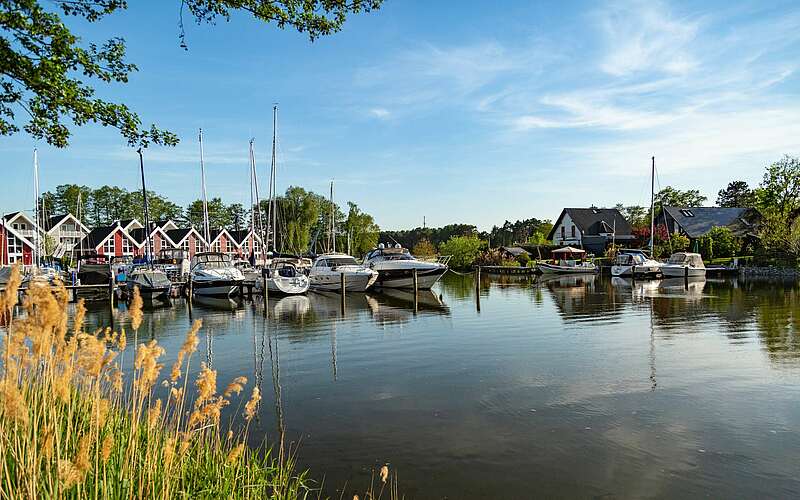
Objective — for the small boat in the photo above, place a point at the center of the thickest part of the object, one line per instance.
(284, 278)
(396, 266)
(328, 269)
(213, 275)
(251, 275)
(631, 262)
(683, 264)
(174, 262)
(152, 283)
(567, 260)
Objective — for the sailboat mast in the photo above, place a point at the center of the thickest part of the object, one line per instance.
(333, 221)
(206, 227)
(274, 187)
(148, 251)
(255, 207)
(652, 203)
(37, 243)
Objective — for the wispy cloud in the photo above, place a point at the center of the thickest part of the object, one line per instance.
(380, 113)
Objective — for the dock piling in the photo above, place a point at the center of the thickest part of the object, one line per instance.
(416, 291)
(344, 291)
(478, 288)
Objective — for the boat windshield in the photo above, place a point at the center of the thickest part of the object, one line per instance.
(212, 261)
(678, 258)
(333, 262)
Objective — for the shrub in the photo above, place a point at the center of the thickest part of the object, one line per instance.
(725, 244)
(463, 250)
(523, 259)
(424, 248)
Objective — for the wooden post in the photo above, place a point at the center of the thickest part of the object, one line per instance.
(478, 288)
(74, 293)
(633, 273)
(416, 291)
(265, 290)
(344, 291)
(111, 292)
(686, 278)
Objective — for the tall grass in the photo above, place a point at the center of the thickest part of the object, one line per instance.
(74, 425)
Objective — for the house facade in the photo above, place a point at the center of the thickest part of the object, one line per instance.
(248, 241)
(66, 232)
(111, 241)
(592, 229)
(189, 240)
(14, 247)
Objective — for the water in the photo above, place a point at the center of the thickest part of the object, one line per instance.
(572, 387)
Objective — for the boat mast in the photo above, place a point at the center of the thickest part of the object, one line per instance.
(273, 175)
(148, 255)
(255, 200)
(652, 204)
(37, 243)
(206, 227)
(333, 221)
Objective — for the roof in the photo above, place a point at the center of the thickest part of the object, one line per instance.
(54, 221)
(138, 234)
(593, 221)
(568, 250)
(97, 236)
(515, 251)
(698, 221)
(240, 236)
(178, 235)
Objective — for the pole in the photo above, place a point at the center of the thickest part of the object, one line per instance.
(416, 291)
(274, 177)
(206, 226)
(478, 288)
(344, 291)
(652, 203)
(37, 243)
(686, 278)
(264, 272)
(333, 221)
(147, 249)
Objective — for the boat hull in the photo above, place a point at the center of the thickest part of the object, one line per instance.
(288, 286)
(681, 271)
(555, 269)
(643, 271)
(404, 278)
(332, 282)
(216, 288)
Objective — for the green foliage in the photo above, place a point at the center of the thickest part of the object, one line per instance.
(737, 194)
(218, 214)
(521, 230)
(724, 243)
(636, 215)
(779, 192)
(48, 76)
(523, 259)
(424, 249)
(539, 238)
(410, 237)
(361, 230)
(679, 243)
(301, 210)
(672, 197)
(705, 247)
(462, 249)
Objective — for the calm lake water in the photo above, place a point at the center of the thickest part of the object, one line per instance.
(567, 387)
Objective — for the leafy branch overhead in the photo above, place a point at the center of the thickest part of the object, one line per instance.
(48, 75)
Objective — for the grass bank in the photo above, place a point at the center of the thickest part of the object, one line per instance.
(74, 425)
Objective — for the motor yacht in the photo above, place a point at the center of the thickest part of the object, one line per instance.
(284, 278)
(684, 264)
(396, 266)
(213, 275)
(328, 269)
(635, 263)
(152, 283)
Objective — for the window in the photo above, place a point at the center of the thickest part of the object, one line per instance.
(127, 248)
(563, 232)
(229, 246)
(185, 244)
(687, 213)
(573, 230)
(198, 246)
(108, 246)
(217, 246)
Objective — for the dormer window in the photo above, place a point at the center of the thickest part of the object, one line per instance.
(595, 211)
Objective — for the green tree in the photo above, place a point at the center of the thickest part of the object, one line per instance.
(725, 244)
(301, 210)
(48, 75)
(737, 194)
(463, 250)
(424, 249)
(672, 197)
(779, 192)
(239, 217)
(361, 229)
(637, 216)
(107, 204)
(218, 215)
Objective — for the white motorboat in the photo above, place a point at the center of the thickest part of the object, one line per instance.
(396, 267)
(284, 278)
(152, 283)
(567, 260)
(251, 274)
(328, 269)
(684, 264)
(635, 263)
(213, 275)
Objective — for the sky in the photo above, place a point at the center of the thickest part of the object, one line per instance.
(456, 112)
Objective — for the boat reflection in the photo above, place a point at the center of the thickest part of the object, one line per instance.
(397, 306)
(691, 288)
(216, 303)
(291, 309)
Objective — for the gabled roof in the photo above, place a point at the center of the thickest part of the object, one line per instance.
(593, 221)
(56, 220)
(216, 233)
(240, 236)
(178, 235)
(165, 224)
(14, 215)
(98, 236)
(126, 223)
(698, 221)
(515, 251)
(7, 227)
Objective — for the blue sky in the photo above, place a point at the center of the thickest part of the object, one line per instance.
(471, 112)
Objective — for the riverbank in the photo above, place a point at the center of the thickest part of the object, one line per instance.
(73, 424)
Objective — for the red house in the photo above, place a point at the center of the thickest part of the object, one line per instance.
(14, 245)
(111, 241)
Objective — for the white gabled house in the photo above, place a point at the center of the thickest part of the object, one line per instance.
(66, 231)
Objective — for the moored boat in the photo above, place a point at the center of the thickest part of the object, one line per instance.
(567, 260)
(284, 278)
(152, 283)
(328, 269)
(635, 263)
(396, 266)
(213, 275)
(684, 264)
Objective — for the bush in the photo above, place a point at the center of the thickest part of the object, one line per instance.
(523, 259)
(424, 248)
(463, 250)
(725, 244)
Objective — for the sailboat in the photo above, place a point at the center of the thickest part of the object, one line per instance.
(328, 270)
(212, 273)
(634, 262)
(280, 273)
(152, 283)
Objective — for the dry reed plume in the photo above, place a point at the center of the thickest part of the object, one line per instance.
(72, 424)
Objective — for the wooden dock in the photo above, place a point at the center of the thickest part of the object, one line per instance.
(508, 270)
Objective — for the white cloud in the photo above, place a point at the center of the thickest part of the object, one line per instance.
(380, 113)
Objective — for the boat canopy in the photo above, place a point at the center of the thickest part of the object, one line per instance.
(569, 250)
(688, 259)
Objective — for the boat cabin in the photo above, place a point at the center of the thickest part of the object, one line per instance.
(396, 252)
(211, 260)
(334, 261)
(687, 259)
(568, 256)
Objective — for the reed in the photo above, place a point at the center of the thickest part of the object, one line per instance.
(73, 425)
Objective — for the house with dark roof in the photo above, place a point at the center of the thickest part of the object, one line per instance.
(111, 241)
(696, 222)
(14, 245)
(592, 229)
(247, 241)
(188, 239)
(512, 252)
